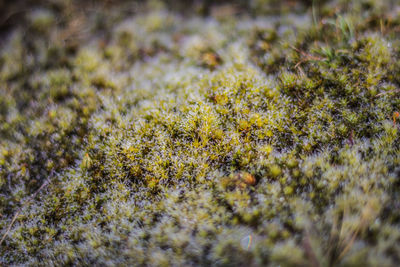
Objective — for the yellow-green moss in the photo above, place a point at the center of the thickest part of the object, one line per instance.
(167, 138)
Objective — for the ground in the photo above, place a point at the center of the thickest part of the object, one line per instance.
(200, 133)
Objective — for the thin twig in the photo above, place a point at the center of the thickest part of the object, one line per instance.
(388, 92)
(314, 262)
(20, 209)
(307, 57)
(348, 245)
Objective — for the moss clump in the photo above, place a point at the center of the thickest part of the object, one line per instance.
(157, 138)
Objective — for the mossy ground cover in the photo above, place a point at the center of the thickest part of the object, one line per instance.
(168, 133)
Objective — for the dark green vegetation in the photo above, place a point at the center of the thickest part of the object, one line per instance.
(260, 133)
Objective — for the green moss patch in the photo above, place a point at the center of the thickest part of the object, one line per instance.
(260, 133)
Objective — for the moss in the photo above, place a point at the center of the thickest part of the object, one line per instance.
(42, 20)
(162, 138)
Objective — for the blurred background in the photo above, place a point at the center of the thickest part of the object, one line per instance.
(16, 12)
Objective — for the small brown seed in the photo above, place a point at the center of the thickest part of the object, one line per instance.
(248, 178)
